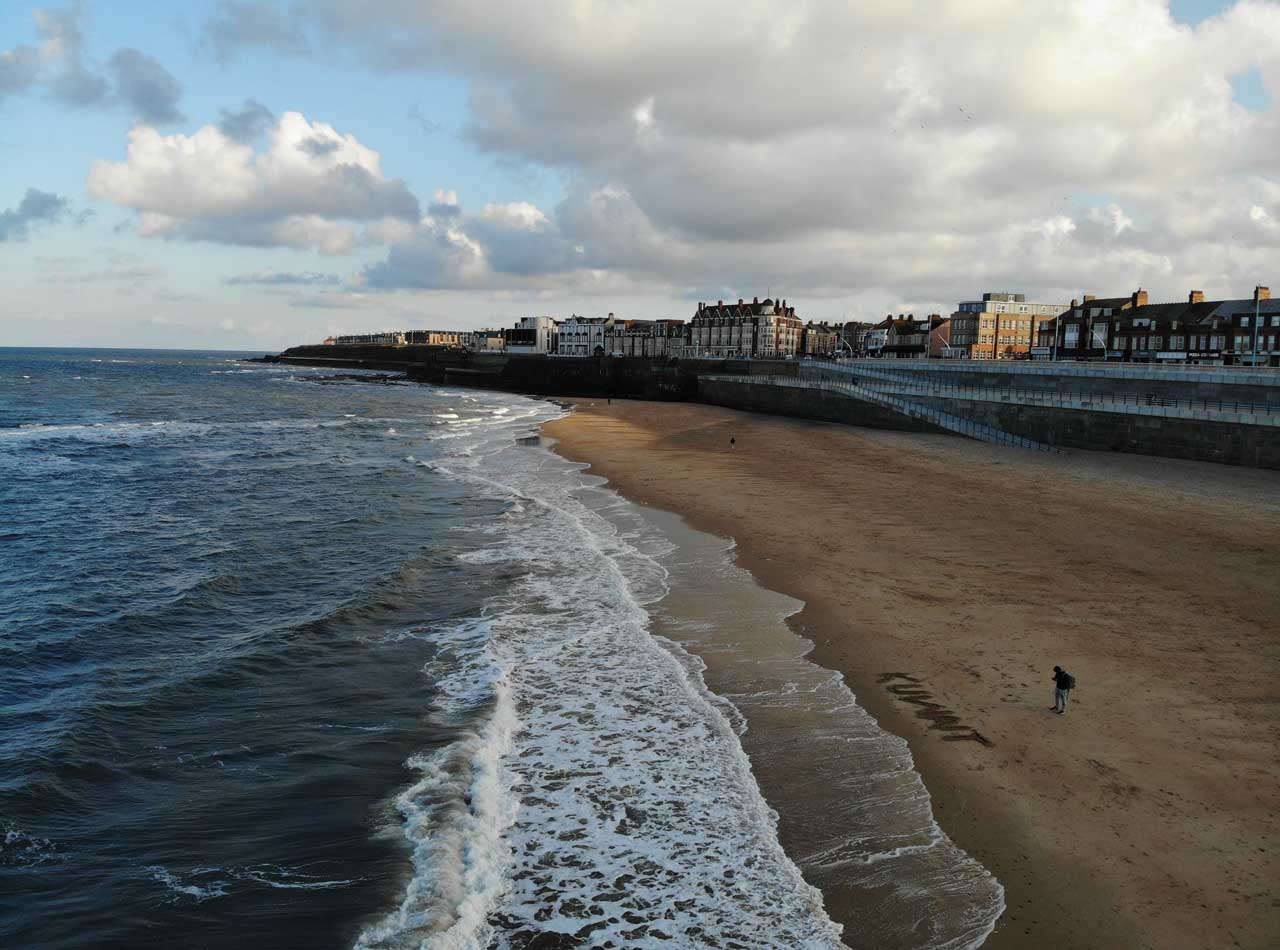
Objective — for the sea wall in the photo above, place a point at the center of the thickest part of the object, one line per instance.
(1256, 446)
(1174, 434)
(806, 404)
(634, 377)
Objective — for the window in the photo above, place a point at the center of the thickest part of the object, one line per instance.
(1071, 337)
(1240, 338)
(1244, 321)
(1275, 320)
(1155, 342)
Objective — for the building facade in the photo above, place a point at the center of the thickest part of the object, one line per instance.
(1130, 329)
(584, 336)
(999, 326)
(761, 328)
(531, 335)
(381, 338)
(437, 337)
(819, 340)
(654, 339)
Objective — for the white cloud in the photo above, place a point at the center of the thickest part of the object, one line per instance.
(306, 190)
(934, 150)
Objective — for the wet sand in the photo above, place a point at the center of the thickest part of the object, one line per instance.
(944, 579)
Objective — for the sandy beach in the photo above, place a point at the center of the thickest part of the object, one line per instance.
(945, 578)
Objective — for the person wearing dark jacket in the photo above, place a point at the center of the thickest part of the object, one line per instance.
(1061, 687)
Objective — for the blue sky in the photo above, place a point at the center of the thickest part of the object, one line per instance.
(582, 160)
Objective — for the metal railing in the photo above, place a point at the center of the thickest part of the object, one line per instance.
(911, 381)
(944, 420)
(1233, 374)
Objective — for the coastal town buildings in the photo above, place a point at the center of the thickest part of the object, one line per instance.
(852, 336)
(762, 328)
(1000, 326)
(1131, 329)
(907, 337)
(531, 335)
(487, 340)
(655, 339)
(380, 338)
(584, 336)
(819, 340)
(436, 337)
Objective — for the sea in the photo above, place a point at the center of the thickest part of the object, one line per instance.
(292, 657)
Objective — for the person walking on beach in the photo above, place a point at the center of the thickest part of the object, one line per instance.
(1063, 683)
(732, 441)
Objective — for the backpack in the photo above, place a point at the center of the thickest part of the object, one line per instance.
(1071, 680)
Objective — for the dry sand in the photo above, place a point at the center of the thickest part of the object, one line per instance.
(1145, 817)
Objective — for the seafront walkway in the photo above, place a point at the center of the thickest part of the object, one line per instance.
(908, 407)
(909, 383)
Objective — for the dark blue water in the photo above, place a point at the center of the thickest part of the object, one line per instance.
(298, 660)
(218, 585)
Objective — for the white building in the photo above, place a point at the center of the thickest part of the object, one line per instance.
(531, 335)
(584, 336)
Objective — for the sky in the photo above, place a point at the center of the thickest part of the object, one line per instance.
(254, 175)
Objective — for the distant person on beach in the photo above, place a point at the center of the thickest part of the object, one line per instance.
(1063, 683)
(732, 441)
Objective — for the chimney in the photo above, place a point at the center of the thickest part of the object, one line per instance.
(1074, 303)
(1089, 297)
(1196, 296)
(1138, 298)
(1261, 293)
(755, 299)
(719, 303)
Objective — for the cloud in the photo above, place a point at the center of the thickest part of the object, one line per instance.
(58, 67)
(62, 52)
(308, 189)
(19, 70)
(37, 208)
(150, 91)
(252, 121)
(839, 148)
(239, 24)
(127, 272)
(278, 278)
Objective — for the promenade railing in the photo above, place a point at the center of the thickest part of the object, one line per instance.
(1267, 413)
(938, 417)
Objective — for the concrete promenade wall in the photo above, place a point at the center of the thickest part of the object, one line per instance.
(1175, 382)
(1201, 440)
(806, 404)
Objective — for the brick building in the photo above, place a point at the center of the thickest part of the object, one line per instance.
(761, 328)
(1000, 326)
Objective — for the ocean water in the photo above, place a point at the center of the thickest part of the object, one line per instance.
(308, 661)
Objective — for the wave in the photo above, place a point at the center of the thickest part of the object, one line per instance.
(633, 790)
(200, 884)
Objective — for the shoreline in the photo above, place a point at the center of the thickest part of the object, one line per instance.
(936, 575)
